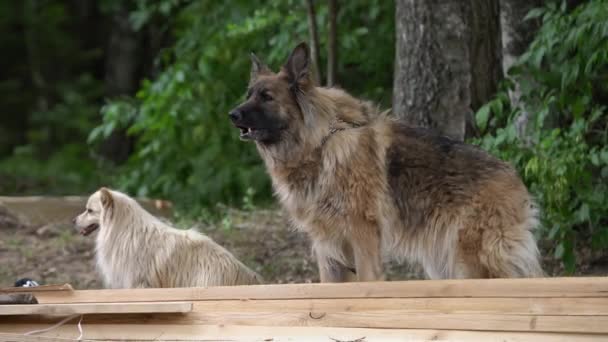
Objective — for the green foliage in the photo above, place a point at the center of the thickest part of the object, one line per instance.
(49, 103)
(64, 172)
(562, 154)
(187, 149)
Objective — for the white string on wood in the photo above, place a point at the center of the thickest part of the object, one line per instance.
(57, 325)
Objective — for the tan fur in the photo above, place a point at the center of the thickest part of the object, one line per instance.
(135, 249)
(364, 186)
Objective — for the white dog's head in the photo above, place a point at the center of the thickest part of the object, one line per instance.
(90, 219)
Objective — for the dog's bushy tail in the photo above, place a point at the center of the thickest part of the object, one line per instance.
(513, 253)
(246, 276)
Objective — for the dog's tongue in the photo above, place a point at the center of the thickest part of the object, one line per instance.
(88, 230)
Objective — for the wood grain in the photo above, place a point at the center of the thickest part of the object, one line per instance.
(99, 308)
(144, 332)
(502, 306)
(480, 288)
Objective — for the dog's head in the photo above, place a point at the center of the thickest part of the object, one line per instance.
(99, 203)
(271, 111)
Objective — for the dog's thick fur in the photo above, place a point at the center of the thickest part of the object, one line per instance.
(363, 185)
(135, 249)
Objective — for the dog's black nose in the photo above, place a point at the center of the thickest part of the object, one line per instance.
(74, 220)
(235, 115)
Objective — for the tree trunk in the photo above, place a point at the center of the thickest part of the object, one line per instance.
(314, 39)
(31, 8)
(332, 53)
(517, 35)
(447, 62)
(486, 57)
(121, 78)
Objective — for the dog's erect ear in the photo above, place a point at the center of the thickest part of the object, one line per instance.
(298, 64)
(107, 201)
(257, 67)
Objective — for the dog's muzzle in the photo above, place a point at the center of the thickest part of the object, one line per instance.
(89, 229)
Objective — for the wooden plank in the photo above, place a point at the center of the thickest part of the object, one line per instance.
(387, 319)
(36, 289)
(99, 308)
(517, 288)
(144, 332)
(501, 306)
(25, 338)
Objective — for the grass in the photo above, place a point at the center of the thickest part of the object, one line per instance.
(14, 243)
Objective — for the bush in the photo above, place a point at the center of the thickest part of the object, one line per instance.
(562, 154)
(56, 159)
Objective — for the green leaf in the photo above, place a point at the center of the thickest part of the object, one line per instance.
(604, 156)
(553, 232)
(569, 260)
(559, 251)
(595, 160)
(482, 116)
(582, 213)
(534, 13)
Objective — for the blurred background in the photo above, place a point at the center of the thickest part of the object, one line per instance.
(134, 95)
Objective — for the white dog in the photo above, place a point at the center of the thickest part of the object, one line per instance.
(135, 249)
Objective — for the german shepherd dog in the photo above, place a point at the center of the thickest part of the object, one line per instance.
(364, 186)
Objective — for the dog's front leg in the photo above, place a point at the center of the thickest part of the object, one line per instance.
(331, 270)
(365, 242)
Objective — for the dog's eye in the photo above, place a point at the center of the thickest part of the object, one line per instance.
(90, 211)
(266, 97)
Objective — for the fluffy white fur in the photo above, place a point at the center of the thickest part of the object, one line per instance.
(136, 249)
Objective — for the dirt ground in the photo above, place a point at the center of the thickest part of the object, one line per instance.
(262, 239)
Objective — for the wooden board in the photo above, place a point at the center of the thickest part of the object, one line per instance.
(502, 306)
(24, 338)
(98, 308)
(555, 309)
(144, 332)
(385, 319)
(36, 289)
(481, 288)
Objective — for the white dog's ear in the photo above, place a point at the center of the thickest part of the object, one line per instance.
(107, 201)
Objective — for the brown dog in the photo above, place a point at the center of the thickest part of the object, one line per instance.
(363, 185)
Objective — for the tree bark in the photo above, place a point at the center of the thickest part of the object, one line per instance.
(31, 8)
(332, 53)
(448, 62)
(121, 78)
(485, 44)
(517, 35)
(314, 39)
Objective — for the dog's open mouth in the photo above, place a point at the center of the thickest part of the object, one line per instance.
(89, 229)
(250, 133)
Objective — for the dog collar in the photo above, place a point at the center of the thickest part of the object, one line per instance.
(333, 129)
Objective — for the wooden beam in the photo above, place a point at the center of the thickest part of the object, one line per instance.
(36, 289)
(98, 308)
(500, 306)
(144, 332)
(509, 288)
(386, 319)
(25, 338)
